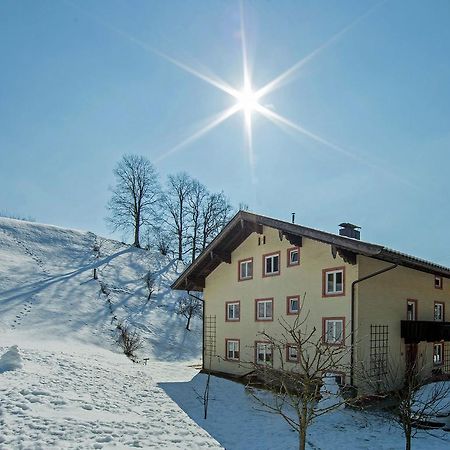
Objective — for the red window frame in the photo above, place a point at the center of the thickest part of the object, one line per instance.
(288, 255)
(324, 281)
(272, 274)
(288, 346)
(256, 352)
(438, 282)
(239, 269)
(288, 305)
(227, 319)
(226, 349)
(257, 300)
(324, 331)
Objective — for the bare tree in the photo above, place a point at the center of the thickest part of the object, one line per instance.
(189, 307)
(150, 281)
(196, 199)
(215, 214)
(297, 387)
(175, 207)
(135, 195)
(417, 400)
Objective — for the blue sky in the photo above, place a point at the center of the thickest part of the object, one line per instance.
(81, 85)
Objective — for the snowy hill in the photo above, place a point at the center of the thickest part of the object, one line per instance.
(72, 387)
(47, 290)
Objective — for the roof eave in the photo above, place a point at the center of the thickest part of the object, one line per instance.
(187, 279)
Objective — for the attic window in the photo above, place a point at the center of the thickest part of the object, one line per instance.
(245, 269)
(293, 256)
(438, 282)
(271, 264)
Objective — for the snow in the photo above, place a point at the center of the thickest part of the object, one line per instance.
(330, 394)
(238, 423)
(10, 360)
(47, 291)
(439, 390)
(72, 388)
(91, 398)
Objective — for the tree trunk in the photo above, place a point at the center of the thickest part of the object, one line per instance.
(194, 245)
(136, 234)
(408, 440)
(180, 246)
(302, 440)
(188, 322)
(303, 416)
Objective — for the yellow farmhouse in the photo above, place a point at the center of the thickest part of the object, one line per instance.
(258, 272)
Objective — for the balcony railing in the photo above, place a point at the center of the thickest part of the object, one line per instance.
(414, 331)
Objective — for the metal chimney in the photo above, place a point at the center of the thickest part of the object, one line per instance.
(293, 217)
(350, 230)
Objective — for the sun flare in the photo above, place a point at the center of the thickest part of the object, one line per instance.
(247, 100)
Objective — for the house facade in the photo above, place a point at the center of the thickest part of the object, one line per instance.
(260, 273)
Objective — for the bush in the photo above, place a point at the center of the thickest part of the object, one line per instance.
(129, 340)
(150, 281)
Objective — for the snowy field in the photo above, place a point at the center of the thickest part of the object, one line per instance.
(68, 386)
(91, 398)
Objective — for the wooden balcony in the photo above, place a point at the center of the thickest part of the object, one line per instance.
(414, 331)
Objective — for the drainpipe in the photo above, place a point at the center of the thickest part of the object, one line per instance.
(352, 349)
(203, 327)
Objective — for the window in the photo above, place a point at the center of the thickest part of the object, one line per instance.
(411, 309)
(233, 311)
(333, 282)
(338, 377)
(291, 353)
(439, 311)
(232, 348)
(333, 330)
(263, 353)
(438, 353)
(245, 269)
(293, 304)
(271, 264)
(264, 309)
(293, 256)
(438, 282)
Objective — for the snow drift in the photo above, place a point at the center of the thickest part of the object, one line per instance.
(10, 360)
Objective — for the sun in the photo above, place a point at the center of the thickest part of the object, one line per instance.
(247, 100)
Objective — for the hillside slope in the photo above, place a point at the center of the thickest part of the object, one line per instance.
(47, 290)
(67, 384)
